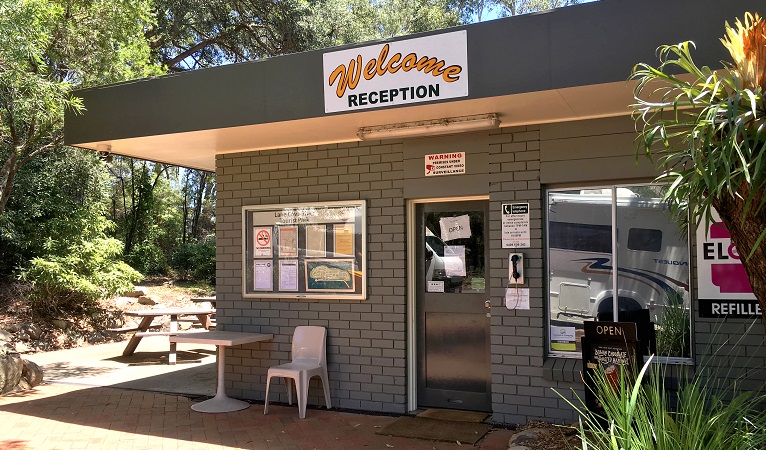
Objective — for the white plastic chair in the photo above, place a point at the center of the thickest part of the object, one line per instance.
(309, 353)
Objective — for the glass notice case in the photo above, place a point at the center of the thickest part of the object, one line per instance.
(305, 250)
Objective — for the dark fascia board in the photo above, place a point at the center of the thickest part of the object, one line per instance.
(582, 45)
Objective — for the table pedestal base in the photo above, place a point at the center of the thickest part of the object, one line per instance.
(219, 404)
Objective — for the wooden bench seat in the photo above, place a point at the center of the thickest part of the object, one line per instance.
(133, 328)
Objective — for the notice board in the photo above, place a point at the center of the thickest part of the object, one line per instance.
(305, 250)
(611, 347)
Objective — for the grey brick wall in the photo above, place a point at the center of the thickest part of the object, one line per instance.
(366, 339)
(520, 392)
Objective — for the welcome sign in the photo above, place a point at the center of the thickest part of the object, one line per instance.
(396, 73)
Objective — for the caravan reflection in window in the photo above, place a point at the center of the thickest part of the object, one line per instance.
(653, 265)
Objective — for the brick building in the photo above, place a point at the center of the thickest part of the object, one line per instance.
(515, 140)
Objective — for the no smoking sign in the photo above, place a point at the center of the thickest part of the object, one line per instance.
(263, 238)
(262, 242)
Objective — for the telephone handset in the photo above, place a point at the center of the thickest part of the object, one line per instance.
(516, 268)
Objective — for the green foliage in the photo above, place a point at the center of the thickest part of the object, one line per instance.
(49, 189)
(705, 130)
(674, 331)
(638, 416)
(148, 259)
(78, 269)
(196, 260)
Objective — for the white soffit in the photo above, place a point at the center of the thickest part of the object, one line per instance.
(198, 149)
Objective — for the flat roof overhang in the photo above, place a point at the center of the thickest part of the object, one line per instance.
(562, 65)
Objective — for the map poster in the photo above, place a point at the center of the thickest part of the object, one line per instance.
(288, 242)
(330, 275)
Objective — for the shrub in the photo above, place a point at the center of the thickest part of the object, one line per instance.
(638, 415)
(196, 260)
(78, 270)
(148, 258)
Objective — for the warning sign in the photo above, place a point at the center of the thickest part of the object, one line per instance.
(445, 164)
(262, 247)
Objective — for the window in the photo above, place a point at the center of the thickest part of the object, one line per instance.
(652, 275)
(580, 236)
(644, 240)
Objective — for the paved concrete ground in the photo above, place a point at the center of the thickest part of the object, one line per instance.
(95, 398)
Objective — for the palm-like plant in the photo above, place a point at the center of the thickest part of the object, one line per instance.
(706, 130)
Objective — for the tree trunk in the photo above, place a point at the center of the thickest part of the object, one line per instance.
(744, 235)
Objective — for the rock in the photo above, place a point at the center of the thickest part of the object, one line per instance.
(33, 330)
(518, 447)
(32, 373)
(5, 336)
(10, 369)
(530, 434)
(22, 336)
(13, 328)
(22, 347)
(122, 301)
(60, 324)
(95, 338)
(138, 292)
(183, 326)
(22, 386)
(146, 300)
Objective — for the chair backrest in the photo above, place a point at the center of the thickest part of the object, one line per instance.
(309, 344)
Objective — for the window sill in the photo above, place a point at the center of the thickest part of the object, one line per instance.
(563, 369)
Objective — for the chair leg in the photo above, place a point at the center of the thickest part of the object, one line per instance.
(266, 400)
(289, 386)
(303, 393)
(326, 386)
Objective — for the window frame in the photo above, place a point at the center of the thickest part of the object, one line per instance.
(548, 284)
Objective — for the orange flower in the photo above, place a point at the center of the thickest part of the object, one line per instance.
(747, 46)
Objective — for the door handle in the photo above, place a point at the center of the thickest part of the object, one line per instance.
(487, 304)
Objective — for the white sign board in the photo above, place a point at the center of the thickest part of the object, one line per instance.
(516, 298)
(515, 225)
(720, 274)
(404, 72)
(458, 227)
(444, 164)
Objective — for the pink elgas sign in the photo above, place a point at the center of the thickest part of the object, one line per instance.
(720, 274)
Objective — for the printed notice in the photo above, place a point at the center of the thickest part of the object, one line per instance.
(344, 240)
(263, 275)
(435, 286)
(316, 241)
(515, 225)
(455, 227)
(445, 164)
(454, 260)
(563, 338)
(516, 298)
(262, 242)
(288, 275)
(288, 242)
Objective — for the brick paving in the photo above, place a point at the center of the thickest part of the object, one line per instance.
(61, 416)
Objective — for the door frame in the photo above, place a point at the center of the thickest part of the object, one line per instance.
(412, 318)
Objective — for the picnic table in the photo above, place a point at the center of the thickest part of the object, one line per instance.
(222, 339)
(148, 315)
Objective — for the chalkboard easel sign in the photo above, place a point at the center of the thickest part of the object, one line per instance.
(611, 347)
